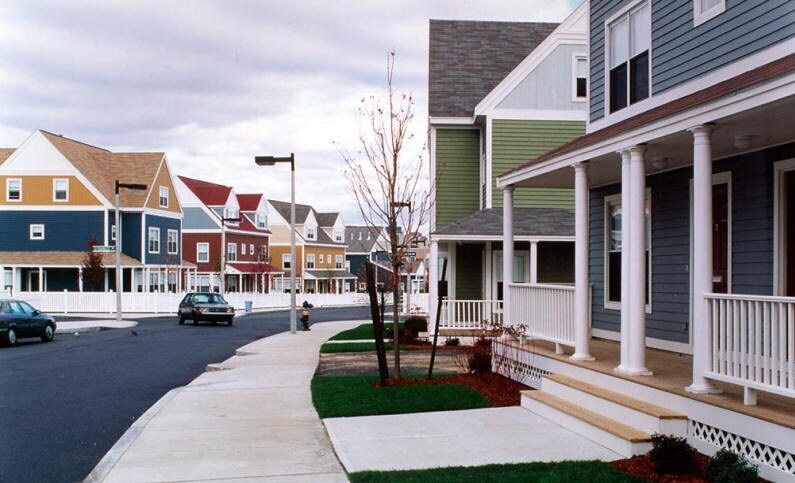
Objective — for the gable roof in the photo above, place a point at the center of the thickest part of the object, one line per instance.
(326, 219)
(467, 59)
(283, 208)
(249, 201)
(363, 245)
(101, 167)
(211, 194)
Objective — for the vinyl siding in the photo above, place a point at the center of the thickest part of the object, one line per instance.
(469, 271)
(38, 191)
(458, 173)
(681, 52)
(514, 142)
(63, 230)
(131, 234)
(197, 219)
(163, 257)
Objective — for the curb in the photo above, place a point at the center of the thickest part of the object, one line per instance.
(106, 464)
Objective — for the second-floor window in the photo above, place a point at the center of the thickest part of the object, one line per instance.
(704, 10)
(13, 190)
(262, 254)
(60, 190)
(172, 242)
(231, 252)
(164, 196)
(251, 248)
(322, 260)
(154, 240)
(310, 261)
(242, 248)
(338, 262)
(286, 261)
(202, 252)
(629, 38)
(580, 77)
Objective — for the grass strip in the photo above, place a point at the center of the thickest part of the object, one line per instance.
(346, 396)
(352, 347)
(559, 472)
(362, 332)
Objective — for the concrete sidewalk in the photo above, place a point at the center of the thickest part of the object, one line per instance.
(77, 326)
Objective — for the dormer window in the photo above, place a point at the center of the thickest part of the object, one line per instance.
(261, 220)
(580, 77)
(338, 236)
(310, 233)
(629, 36)
(230, 212)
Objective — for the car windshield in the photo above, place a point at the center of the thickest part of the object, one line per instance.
(203, 298)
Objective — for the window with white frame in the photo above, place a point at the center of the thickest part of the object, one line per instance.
(348, 265)
(261, 220)
(614, 246)
(322, 259)
(172, 242)
(251, 248)
(338, 236)
(37, 232)
(13, 189)
(242, 248)
(310, 233)
(580, 87)
(113, 232)
(60, 190)
(262, 254)
(310, 261)
(286, 260)
(164, 196)
(154, 240)
(704, 10)
(629, 37)
(338, 262)
(231, 212)
(202, 252)
(231, 252)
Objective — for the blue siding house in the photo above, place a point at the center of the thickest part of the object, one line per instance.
(684, 234)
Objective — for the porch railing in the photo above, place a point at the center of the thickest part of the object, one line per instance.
(752, 342)
(547, 311)
(469, 314)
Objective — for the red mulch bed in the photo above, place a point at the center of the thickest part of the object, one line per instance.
(499, 390)
(642, 467)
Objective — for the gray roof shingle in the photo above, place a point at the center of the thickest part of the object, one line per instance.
(357, 240)
(467, 59)
(526, 222)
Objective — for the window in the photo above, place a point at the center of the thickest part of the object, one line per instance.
(37, 232)
(704, 10)
(338, 236)
(629, 37)
(231, 212)
(321, 258)
(202, 252)
(347, 265)
(242, 248)
(286, 261)
(164, 196)
(580, 77)
(261, 219)
(172, 242)
(60, 190)
(310, 234)
(13, 190)
(310, 261)
(613, 245)
(154, 240)
(338, 262)
(231, 252)
(113, 232)
(262, 254)
(251, 248)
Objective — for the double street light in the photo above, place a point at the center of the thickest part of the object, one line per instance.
(270, 161)
(129, 186)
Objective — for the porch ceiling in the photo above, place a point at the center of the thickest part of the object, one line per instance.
(746, 131)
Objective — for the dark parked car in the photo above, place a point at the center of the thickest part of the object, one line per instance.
(209, 307)
(20, 319)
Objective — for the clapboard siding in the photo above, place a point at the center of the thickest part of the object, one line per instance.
(63, 230)
(458, 174)
(514, 142)
(682, 52)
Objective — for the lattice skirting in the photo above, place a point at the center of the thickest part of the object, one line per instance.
(518, 370)
(753, 450)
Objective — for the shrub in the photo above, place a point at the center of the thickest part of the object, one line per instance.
(671, 455)
(729, 467)
(416, 324)
(479, 359)
(452, 342)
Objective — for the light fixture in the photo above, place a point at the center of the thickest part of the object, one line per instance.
(742, 141)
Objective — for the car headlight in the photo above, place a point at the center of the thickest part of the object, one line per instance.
(199, 310)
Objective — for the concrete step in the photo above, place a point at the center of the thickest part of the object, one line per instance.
(621, 438)
(642, 415)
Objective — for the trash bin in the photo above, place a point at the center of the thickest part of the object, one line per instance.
(249, 304)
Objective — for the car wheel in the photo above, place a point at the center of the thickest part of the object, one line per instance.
(230, 322)
(48, 335)
(181, 320)
(10, 338)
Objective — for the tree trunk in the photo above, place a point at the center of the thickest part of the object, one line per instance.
(378, 326)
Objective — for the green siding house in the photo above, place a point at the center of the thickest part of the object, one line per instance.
(500, 95)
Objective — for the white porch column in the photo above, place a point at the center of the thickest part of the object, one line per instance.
(80, 279)
(637, 262)
(433, 283)
(507, 251)
(41, 279)
(702, 254)
(626, 210)
(14, 280)
(534, 261)
(582, 328)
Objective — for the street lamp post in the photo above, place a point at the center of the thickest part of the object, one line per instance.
(224, 253)
(129, 186)
(270, 161)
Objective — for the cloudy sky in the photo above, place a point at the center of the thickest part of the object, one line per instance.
(214, 83)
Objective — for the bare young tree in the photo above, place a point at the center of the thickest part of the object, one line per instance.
(389, 178)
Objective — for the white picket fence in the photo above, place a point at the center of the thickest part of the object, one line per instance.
(154, 302)
(418, 301)
(546, 310)
(752, 342)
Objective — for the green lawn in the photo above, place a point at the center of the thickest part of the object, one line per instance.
(362, 332)
(352, 347)
(563, 472)
(345, 396)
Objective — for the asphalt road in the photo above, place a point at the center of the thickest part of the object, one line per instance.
(64, 404)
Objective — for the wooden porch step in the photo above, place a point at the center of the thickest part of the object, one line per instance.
(605, 424)
(649, 409)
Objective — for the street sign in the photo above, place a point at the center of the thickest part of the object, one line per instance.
(104, 248)
(411, 254)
